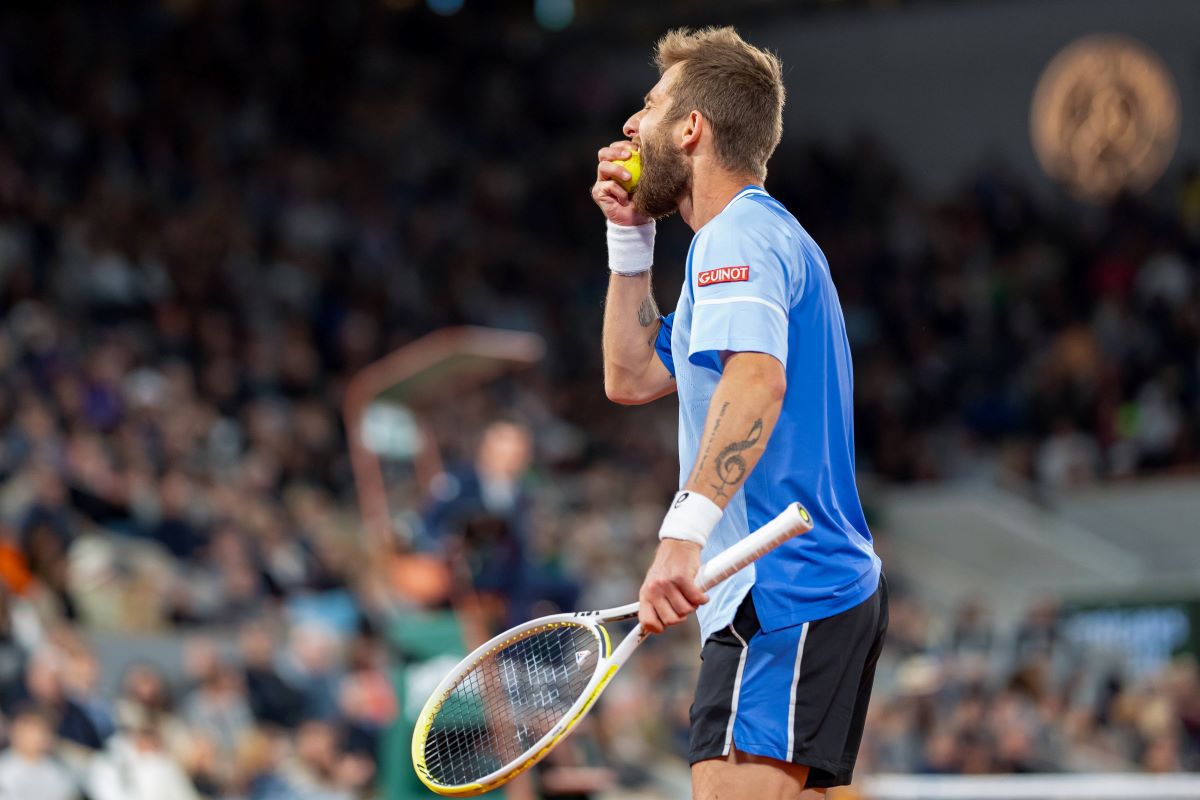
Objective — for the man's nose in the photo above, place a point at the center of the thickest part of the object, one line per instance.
(632, 125)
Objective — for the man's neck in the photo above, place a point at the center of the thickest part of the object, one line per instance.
(712, 189)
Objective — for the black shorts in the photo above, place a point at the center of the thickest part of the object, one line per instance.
(798, 694)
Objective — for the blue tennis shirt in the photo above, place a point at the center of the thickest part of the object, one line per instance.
(756, 281)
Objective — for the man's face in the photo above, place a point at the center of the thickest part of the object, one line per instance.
(31, 737)
(505, 451)
(666, 172)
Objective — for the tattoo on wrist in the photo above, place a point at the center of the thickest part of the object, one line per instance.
(730, 466)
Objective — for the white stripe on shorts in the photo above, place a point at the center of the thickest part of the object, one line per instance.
(737, 690)
(795, 684)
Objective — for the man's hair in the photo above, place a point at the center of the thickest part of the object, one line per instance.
(735, 85)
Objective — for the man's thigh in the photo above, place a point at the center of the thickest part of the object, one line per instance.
(742, 776)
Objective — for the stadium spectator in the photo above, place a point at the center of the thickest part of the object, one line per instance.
(487, 509)
(81, 680)
(28, 767)
(366, 698)
(218, 707)
(136, 766)
(44, 686)
(318, 769)
(272, 699)
(312, 664)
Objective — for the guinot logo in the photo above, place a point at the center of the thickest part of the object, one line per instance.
(723, 275)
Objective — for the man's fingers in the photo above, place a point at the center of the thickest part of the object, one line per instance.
(680, 604)
(613, 154)
(656, 611)
(609, 190)
(649, 619)
(666, 613)
(607, 169)
(693, 594)
(617, 151)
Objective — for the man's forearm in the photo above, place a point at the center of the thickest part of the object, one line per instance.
(630, 327)
(741, 417)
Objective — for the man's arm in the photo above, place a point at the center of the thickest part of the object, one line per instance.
(633, 372)
(741, 416)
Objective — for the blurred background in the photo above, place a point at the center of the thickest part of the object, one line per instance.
(300, 383)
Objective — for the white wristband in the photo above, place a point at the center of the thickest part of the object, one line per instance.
(630, 248)
(692, 517)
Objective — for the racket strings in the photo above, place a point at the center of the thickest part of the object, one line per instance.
(509, 700)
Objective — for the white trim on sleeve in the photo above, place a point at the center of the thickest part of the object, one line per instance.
(715, 301)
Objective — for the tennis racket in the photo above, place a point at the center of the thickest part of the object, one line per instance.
(506, 705)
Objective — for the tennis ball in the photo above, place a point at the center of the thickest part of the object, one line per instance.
(634, 165)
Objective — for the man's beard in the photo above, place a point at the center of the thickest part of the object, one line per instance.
(666, 178)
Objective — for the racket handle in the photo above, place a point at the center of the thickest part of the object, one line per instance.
(794, 521)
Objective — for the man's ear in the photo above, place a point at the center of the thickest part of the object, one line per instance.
(694, 126)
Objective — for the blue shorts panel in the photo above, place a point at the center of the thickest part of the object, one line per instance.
(796, 694)
(765, 709)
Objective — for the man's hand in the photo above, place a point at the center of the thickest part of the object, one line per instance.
(669, 592)
(613, 200)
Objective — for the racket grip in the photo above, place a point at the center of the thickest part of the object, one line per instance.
(794, 521)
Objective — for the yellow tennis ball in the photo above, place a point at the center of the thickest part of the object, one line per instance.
(634, 165)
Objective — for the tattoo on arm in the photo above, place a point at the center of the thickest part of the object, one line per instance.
(648, 316)
(708, 445)
(648, 311)
(730, 467)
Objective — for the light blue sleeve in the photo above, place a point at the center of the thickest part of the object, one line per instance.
(743, 288)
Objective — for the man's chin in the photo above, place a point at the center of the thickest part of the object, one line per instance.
(655, 210)
(658, 214)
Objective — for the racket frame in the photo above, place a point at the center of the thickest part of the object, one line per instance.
(607, 664)
(794, 520)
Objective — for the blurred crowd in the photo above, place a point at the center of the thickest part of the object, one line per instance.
(251, 718)
(999, 336)
(965, 697)
(213, 214)
(961, 694)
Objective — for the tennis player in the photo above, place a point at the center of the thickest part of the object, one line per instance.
(757, 351)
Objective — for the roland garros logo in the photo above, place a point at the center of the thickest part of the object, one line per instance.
(723, 275)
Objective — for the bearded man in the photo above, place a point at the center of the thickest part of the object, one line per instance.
(757, 351)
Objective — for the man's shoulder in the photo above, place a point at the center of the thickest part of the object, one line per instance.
(760, 219)
(757, 230)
